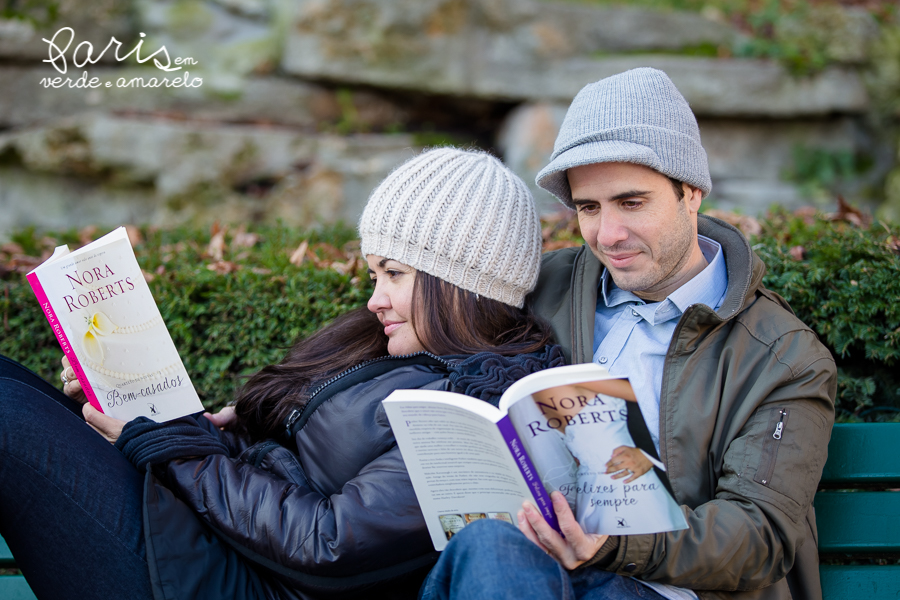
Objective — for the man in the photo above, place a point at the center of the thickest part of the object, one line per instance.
(737, 392)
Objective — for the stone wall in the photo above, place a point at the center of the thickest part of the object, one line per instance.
(305, 105)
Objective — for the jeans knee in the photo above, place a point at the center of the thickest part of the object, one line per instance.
(488, 532)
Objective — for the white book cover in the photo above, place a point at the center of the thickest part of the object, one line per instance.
(104, 317)
(554, 430)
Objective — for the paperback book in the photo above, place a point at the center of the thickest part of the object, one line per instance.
(555, 430)
(109, 327)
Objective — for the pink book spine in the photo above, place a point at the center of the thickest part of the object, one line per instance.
(38, 290)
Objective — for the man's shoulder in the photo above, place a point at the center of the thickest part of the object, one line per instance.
(770, 321)
(563, 258)
(555, 278)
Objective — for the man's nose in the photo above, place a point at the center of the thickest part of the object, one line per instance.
(611, 230)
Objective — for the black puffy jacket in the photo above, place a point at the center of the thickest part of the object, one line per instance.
(337, 516)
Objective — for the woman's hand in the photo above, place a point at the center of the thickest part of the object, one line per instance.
(575, 549)
(222, 419)
(71, 385)
(105, 425)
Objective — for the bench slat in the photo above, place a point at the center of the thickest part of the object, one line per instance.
(862, 453)
(851, 582)
(6, 557)
(858, 521)
(14, 587)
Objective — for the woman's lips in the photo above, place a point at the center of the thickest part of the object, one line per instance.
(390, 326)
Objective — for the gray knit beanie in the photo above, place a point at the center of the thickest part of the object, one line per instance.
(461, 216)
(639, 117)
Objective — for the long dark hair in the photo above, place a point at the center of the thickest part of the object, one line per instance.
(448, 320)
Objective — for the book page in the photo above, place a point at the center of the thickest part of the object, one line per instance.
(110, 328)
(571, 429)
(459, 462)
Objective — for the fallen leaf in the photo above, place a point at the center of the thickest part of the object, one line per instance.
(12, 248)
(747, 224)
(893, 244)
(148, 277)
(223, 267)
(330, 252)
(242, 239)
(807, 214)
(300, 253)
(797, 252)
(261, 270)
(216, 247)
(347, 267)
(161, 269)
(850, 214)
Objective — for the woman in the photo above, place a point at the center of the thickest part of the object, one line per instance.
(305, 494)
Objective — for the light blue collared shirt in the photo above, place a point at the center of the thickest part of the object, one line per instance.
(631, 337)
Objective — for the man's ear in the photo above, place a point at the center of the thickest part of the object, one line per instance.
(694, 197)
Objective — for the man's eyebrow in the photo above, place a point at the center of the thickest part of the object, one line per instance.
(619, 196)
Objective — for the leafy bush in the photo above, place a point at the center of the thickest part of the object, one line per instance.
(234, 301)
(842, 280)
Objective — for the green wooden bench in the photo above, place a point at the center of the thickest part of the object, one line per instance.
(857, 516)
(12, 587)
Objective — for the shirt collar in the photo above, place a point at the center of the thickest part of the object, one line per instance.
(707, 287)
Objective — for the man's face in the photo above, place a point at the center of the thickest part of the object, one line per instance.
(637, 226)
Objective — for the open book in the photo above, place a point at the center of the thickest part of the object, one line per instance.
(109, 327)
(554, 430)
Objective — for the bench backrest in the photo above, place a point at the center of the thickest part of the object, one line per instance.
(858, 511)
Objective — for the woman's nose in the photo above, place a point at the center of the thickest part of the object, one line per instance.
(378, 301)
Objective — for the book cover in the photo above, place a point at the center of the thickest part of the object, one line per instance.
(108, 325)
(554, 431)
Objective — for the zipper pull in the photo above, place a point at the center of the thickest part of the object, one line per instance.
(289, 423)
(779, 427)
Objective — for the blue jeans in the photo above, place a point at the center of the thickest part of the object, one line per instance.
(492, 559)
(70, 503)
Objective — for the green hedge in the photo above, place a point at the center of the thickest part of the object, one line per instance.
(231, 314)
(843, 280)
(226, 322)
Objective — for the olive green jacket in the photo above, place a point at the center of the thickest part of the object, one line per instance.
(730, 376)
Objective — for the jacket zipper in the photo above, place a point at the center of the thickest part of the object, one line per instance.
(777, 425)
(295, 414)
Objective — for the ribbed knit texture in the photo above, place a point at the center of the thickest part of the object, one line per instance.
(639, 117)
(461, 216)
(145, 442)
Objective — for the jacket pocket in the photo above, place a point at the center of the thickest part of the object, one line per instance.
(785, 453)
(778, 426)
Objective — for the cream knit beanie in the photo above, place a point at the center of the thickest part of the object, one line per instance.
(460, 216)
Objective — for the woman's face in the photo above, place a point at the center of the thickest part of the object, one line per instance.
(392, 301)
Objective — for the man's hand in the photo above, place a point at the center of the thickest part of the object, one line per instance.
(71, 386)
(105, 425)
(575, 549)
(222, 419)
